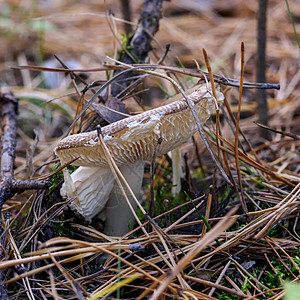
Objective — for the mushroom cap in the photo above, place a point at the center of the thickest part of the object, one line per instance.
(135, 138)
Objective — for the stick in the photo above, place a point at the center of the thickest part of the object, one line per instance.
(8, 185)
(185, 71)
(262, 104)
(9, 107)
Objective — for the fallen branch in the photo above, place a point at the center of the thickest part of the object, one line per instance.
(8, 185)
(185, 71)
(288, 134)
(9, 108)
(23, 185)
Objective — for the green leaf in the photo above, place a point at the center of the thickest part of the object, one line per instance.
(293, 23)
(292, 291)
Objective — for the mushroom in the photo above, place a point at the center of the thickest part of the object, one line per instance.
(131, 141)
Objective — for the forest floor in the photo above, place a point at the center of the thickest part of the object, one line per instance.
(242, 241)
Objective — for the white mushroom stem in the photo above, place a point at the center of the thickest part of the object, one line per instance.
(119, 217)
(176, 171)
(129, 141)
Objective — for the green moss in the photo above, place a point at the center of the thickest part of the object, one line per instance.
(152, 20)
(56, 179)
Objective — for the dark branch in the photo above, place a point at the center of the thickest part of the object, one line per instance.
(140, 44)
(185, 71)
(126, 10)
(8, 185)
(9, 108)
(262, 107)
(19, 186)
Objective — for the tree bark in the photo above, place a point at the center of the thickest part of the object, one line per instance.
(140, 44)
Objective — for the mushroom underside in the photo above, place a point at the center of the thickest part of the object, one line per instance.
(96, 194)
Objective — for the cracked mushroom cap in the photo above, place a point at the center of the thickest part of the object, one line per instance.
(135, 138)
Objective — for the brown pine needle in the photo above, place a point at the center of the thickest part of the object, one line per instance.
(236, 141)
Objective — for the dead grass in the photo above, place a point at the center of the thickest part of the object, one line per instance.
(49, 253)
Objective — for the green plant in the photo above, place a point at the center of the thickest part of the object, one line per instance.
(56, 179)
(292, 290)
(293, 23)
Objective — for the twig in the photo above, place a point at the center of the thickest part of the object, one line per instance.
(262, 104)
(218, 125)
(126, 10)
(9, 107)
(23, 185)
(291, 135)
(185, 71)
(8, 185)
(216, 286)
(217, 78)
(219, 278)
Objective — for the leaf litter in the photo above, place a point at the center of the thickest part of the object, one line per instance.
(49, 252)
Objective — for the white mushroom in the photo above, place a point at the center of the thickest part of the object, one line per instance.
(131, 141)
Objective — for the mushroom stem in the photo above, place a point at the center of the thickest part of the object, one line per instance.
(119, 217)
(176, 171)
